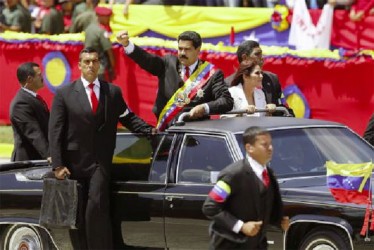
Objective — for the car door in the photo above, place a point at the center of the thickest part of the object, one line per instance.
(139, 172)
(199, 161)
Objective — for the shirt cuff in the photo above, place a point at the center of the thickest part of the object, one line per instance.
(129, 48)
(238, 225)
(206, 108)
(124, 113)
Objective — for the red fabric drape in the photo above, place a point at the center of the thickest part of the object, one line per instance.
(341, 91)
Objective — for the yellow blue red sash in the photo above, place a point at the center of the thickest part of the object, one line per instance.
(185, 94)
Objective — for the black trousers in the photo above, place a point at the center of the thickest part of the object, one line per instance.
(93, 218)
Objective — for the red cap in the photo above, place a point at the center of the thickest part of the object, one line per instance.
(103, 11)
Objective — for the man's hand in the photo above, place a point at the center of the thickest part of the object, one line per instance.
(285, 223)
(270, 107)
(123, 38)
(251, 109)
(197, 112)
(61, 172)
(251, 228)
(154, 131)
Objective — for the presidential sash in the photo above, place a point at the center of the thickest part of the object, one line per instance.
(184, 95)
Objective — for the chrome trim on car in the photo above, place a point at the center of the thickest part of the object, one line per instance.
(164, 194)
(318, 222)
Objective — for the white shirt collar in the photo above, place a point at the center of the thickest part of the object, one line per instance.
(29, 91)
(192, 67)
(86, 83)
(256, 167)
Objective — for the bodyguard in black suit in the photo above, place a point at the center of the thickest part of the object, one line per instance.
(83, 125)
(246, 198)
(270, 81)
(211, 98)
(29, 116)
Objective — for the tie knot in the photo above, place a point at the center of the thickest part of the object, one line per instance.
(91, 85)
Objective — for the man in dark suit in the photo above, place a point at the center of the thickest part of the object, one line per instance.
(270, 82)
(83, 125)
(185, 83)
(246, 198)
(29, 116)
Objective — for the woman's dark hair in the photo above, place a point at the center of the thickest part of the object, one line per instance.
(245, 68)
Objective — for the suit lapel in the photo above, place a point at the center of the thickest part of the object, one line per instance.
(101, 113)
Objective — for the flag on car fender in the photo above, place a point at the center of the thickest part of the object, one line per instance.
(349, 183)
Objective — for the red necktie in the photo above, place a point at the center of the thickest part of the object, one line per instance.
(186, 73)
(265, 177)
(94, 100)
(42, 101)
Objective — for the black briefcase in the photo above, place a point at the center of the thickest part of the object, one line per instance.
(59, 203)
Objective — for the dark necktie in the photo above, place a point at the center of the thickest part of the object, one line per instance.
(186, 73)
(265, 177)
(94, 100)
(42, 101)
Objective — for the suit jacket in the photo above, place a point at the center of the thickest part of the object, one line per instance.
(272, 89)
(243, 203)
(167, 69)
(29, 120)
(369, 132)
(80, 139)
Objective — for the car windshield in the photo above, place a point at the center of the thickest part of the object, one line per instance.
(306, 150)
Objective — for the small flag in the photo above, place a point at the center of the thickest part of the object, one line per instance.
(349, 182)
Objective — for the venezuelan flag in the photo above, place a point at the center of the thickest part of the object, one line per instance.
(220, 191)
(350, 183)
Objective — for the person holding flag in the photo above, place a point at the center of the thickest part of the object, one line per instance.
(185, 83)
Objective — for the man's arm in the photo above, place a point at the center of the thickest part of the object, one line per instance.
(56, 130)
(222, 101)
(128, 119)
(23, 119)
(147, 61)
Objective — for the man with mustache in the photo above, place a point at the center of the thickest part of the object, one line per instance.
(185, 83)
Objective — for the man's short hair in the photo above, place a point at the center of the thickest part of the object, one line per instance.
(192, 36)
(25, 70)
(246, 48)
(251, 133)
(87, 50)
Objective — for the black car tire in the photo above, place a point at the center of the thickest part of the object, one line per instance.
(24, 237)
(325, 238)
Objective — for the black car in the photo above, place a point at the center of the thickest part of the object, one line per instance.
(160, 183)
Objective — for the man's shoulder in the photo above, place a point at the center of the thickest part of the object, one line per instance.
(233, 169)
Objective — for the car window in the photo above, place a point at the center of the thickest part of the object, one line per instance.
(132, 157)
(158, 171)
(202, 158)
(306, 150)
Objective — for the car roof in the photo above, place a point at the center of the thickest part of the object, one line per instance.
(239, 124)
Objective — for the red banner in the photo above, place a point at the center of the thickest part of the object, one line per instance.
(337, 90)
